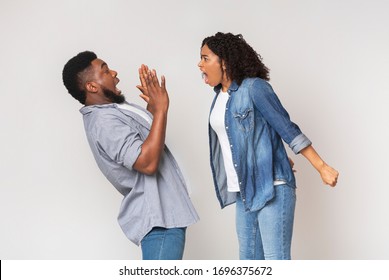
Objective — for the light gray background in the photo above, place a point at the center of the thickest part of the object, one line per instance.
(329, 65)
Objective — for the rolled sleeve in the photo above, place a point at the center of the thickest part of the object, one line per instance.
(120, 142)
(278, 118)
(132, 153)
(299, 142)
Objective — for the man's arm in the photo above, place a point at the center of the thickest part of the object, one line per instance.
(157, 100)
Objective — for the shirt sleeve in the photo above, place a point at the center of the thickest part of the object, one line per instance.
(267, 102)
(118, 141)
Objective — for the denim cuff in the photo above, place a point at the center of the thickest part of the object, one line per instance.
(299, 142)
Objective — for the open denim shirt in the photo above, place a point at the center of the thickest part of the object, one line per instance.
(256, 123)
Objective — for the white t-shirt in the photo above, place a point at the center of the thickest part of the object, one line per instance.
(217, 123)
(129, 107)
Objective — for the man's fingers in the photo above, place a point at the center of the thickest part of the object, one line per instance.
(143, 72)
(145, 97)
(145, 68)
(163, 83)
(154, 78)
(142, 77)
(152, 84)
(142, 89)
(148, 79)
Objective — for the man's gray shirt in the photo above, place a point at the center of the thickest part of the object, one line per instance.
(115, 136)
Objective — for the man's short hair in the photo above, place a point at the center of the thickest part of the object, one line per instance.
(71, 74)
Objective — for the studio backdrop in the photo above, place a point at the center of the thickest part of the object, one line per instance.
(328, 64)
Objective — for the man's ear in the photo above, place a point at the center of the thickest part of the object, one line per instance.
(91, 87)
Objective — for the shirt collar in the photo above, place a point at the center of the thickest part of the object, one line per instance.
(87, 109)
(233, 87)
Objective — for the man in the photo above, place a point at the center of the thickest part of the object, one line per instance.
(128, 145)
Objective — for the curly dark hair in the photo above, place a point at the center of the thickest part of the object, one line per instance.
(241, 61)
(71, 74)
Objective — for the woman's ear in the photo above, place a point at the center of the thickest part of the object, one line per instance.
(223, 65)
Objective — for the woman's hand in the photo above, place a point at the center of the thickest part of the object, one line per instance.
(329, 175)
(292, 164)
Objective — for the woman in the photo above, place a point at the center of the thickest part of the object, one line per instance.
(249, 163)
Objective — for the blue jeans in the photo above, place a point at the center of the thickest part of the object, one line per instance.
(163, 244)
(267, 234)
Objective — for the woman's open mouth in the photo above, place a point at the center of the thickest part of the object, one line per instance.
(204, 77)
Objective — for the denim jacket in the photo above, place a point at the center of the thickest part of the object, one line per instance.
(256, 123)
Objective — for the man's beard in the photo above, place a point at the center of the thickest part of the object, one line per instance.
(113, 97)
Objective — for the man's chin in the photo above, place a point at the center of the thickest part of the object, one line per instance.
(114, 97)
(119, 99)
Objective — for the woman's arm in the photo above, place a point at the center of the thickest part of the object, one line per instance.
(327, 173)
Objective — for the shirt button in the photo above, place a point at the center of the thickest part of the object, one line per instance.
(226, 127)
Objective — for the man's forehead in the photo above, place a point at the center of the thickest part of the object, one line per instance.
(98, 63)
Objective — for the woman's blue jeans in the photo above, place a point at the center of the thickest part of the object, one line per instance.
(163, 244)
(267, 234)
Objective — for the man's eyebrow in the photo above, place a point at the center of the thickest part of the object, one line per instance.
(103, 64)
